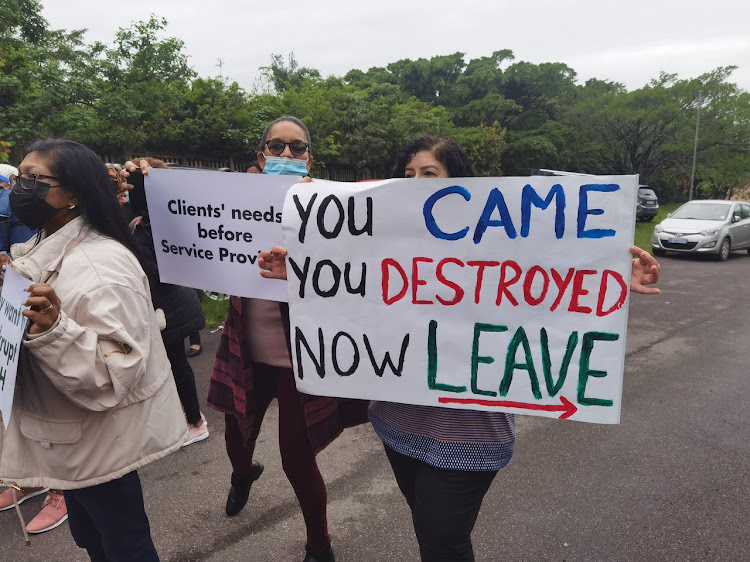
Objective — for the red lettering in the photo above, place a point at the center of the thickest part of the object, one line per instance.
(529, 281)
(562, 284)
(385, 266)
(456, 288)
(480, 274)
(603, 289)
(416, 281)
(579, 291)
(502, 286)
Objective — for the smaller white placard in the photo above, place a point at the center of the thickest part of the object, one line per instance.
(12, 326)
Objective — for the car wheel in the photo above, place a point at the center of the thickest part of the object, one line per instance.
(724, 250)
(648, 219)
(214, 296)
(659, 252)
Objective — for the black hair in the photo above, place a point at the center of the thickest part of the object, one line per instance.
(445, 149)
(83, 173)
(279, 120)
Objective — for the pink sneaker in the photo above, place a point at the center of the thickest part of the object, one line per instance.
(6, 498)
(53, 513)
(196, 434)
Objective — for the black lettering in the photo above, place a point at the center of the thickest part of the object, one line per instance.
(299, 340)
(347, 279)
(380, 369)
(334, 354)
(304, 214)
(335, 271)
(367, 228)
(322, 215)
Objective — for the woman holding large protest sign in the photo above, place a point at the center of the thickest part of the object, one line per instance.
(94, 399)
(445, 460)
(253, 365)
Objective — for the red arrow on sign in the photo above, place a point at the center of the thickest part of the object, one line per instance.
(567, 407)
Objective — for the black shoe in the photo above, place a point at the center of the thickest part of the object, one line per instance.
(324, 554)
(192, 352)
(240, 490)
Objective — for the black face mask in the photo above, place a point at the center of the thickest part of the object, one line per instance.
(30, 207)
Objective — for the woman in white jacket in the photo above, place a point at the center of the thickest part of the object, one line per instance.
(95, 398)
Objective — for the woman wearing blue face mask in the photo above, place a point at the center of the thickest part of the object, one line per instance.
(253, 365)
(285, 148)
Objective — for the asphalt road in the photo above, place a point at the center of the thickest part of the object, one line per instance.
(670, 483)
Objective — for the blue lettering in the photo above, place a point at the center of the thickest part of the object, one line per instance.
(584, 211)
(429, 219)
(530, 197)
(494, 201)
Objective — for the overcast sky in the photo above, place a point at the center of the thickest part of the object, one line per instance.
(627, 42)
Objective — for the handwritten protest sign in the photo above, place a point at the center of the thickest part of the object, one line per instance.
(209, 227)
(12, 325)
(500, 294)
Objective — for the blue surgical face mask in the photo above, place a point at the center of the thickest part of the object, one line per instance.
(283, 166)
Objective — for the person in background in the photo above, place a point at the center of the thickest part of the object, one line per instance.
(12, 230)
(94, 398)
(184, 315)
(253, 365)
(254, 168)
(445, 460)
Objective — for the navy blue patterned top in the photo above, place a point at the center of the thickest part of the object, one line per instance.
(446, 438)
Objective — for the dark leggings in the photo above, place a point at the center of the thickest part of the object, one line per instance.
(184, 379)
(297, 457)
(444, 506)
(110, 522)
(195, 338)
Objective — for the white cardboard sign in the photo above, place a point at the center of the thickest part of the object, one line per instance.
(498, 294)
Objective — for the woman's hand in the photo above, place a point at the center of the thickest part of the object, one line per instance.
(44, 307)
(645, 271)
(131, 166)
(273, 263)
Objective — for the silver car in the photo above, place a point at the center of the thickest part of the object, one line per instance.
(705, 227)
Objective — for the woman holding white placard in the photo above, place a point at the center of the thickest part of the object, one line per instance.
(445, 460)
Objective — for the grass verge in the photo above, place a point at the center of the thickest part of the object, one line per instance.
(215, 310)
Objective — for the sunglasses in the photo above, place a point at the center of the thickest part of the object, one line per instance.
(30, 182)
(276, 147)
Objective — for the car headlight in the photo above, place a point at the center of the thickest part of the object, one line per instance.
(658, 228)
(709, 232)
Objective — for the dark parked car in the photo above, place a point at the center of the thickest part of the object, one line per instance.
(648, 204)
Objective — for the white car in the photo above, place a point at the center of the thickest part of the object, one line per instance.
(705, 227)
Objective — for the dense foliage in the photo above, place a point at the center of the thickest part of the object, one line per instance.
(138, 95)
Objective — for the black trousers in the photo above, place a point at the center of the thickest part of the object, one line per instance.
(110, 521)
(444, 506)
(184, 379)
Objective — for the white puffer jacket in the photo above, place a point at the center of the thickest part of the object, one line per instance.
(95, 397)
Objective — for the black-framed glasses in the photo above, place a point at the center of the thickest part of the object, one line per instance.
(276, 147)
(30, 182)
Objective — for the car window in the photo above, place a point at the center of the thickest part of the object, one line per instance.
(646, 193)
(700, 210)
(745, 209)
(736, 214)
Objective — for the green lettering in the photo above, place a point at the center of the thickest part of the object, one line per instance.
(585, 372)
(552, 387)
(519, 338)
(476, 359)
(432, 358)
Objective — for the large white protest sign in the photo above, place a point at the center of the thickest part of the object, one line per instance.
(12, 325)
(500, 294)
(209, 228)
